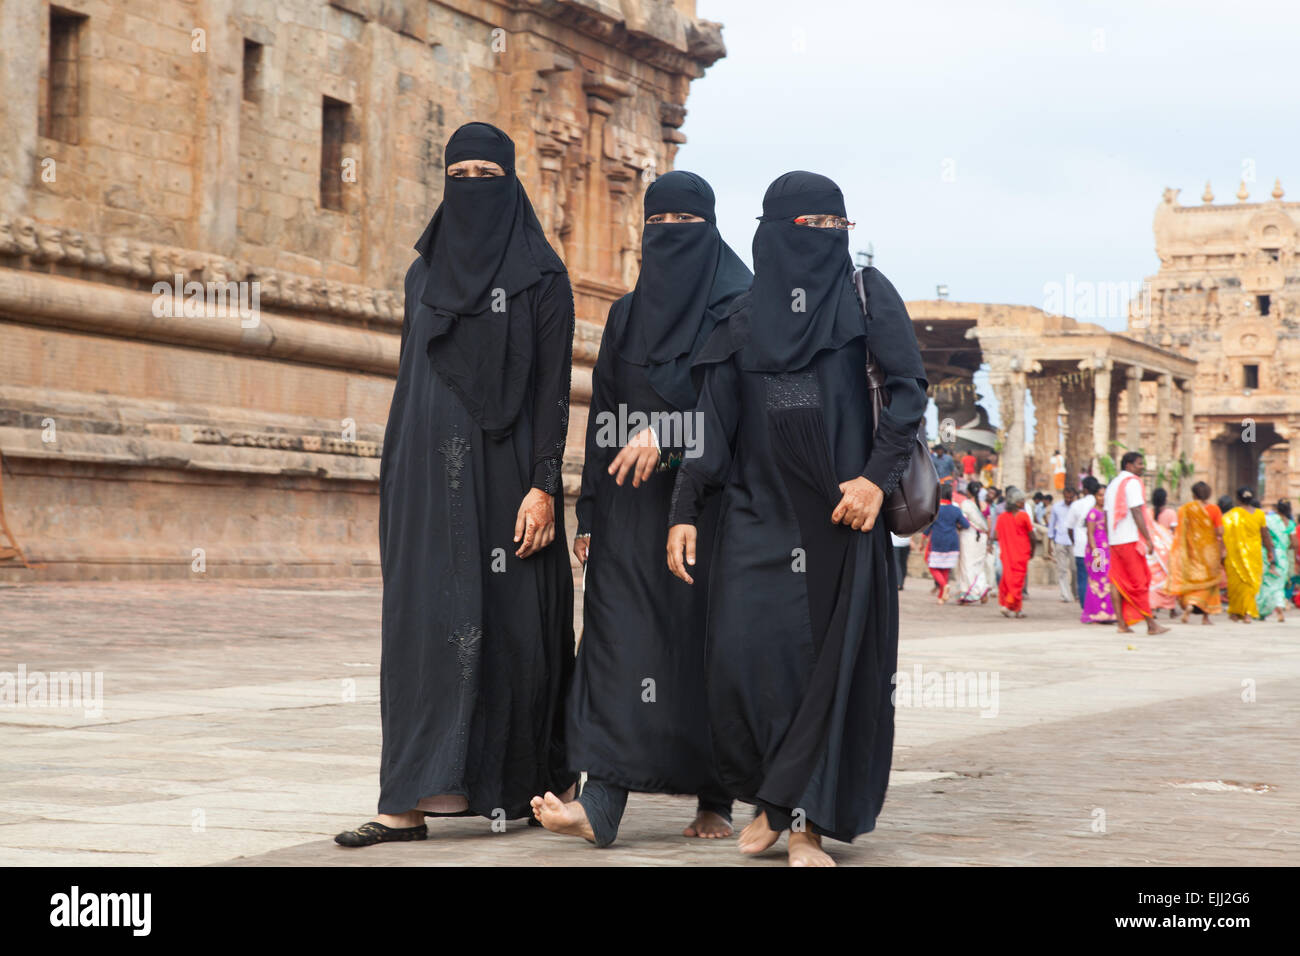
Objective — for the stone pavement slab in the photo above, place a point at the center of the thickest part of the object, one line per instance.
(239, 724)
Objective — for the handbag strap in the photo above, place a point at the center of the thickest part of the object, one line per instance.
(875, 376)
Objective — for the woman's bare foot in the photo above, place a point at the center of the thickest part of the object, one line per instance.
(560, 817)
(1124, 628)
(1154, 628)
(1280, 615)
(708, 825)
(984, 599)
(757, 836)
(400, 821)
(806, 850)
(1205, 619)
(1187, 615)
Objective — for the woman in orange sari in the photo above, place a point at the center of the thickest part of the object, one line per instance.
(1196, 558)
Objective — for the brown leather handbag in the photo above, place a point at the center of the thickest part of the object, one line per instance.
(914, 503)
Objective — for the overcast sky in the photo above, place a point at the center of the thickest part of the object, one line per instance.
(998, 147)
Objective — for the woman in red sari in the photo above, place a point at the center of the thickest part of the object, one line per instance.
(1015, 534)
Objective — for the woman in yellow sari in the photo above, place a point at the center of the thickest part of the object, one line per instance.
(1196, 557)
(1243, 537)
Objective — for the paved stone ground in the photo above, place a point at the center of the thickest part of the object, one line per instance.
(240, 725)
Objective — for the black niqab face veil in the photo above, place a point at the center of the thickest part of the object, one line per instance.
(482, 247)
(686, 270)
(803, 301)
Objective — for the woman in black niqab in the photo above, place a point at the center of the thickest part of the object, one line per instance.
(803, 602)
(637, 719)
(478, 595)
(482, 247)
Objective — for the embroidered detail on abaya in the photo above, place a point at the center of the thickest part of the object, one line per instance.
(793, 390)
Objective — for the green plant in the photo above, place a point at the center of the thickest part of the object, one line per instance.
(1106, 465)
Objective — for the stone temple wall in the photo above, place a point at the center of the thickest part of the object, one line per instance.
(291, 150)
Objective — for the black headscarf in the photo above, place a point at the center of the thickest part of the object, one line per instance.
(483, 246)
(687, 275)
(800, 266)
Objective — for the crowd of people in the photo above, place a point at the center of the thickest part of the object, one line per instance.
(1121, 556)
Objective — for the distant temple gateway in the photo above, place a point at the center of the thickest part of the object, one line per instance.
(1227, 296)
(280, 160)
(1210, 357)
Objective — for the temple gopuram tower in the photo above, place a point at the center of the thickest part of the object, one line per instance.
(1227, 295)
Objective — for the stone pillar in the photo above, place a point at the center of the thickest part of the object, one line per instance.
(20, 149)
(217, 162)
(593, 249)
(1078, 400)
(1188, 440)
(1007, 377)
(1046, 393)
(1164, 448)
(626, 223)
(1133, 409)
(600, 250)
(1293, 454)
(1101, 412)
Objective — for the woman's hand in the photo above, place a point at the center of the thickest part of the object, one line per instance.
(681, 540)
(581, 544)
(535, 522)
(640, 456)
(860, 504)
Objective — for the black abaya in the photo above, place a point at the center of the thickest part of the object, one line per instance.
(803, 613)
(637, 714)
(477, 643)
(640, 624)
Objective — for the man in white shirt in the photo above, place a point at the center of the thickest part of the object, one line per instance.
(1060, 546)
(1076, 521)
(1126, 523)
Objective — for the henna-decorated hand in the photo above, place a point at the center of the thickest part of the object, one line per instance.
(535, 522)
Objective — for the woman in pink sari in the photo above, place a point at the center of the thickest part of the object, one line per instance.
(1162, 536)
(1098, 607)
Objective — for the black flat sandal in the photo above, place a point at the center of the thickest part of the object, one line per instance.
(368, 834)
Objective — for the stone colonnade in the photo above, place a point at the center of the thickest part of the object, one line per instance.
(1076, 409)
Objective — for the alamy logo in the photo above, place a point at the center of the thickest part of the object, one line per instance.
(57, 689)
(208, 300)
(75, 908)
(683, 430)
(922, 688)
